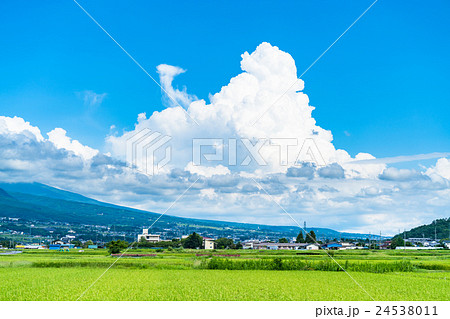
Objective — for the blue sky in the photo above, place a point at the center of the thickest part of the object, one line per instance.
(380, 91)
(385, 82)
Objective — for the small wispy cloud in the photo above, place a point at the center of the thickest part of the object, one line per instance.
(174, 96)
(90, 98)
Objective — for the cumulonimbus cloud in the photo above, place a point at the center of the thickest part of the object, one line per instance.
(267, 76)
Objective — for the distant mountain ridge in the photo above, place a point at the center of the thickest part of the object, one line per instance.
(35, 201)
(39, 189)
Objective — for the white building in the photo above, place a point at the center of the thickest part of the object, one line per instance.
(151, 238)
(347, 246)
(248, 244)
(208, 243)
(312, 247)
(281, 246)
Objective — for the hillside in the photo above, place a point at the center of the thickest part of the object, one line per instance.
(428, 231)
(39, 189)
(44, 204)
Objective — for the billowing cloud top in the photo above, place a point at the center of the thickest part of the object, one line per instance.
(262, 114)
(264, 103)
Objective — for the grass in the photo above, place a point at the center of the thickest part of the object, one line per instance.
(158, 284)
(253, 275)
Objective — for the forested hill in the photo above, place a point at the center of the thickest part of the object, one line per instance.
(427, 231)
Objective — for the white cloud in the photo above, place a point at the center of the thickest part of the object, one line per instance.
(395, 174)
(207, 171)
(92, 99)
(59, 138)
(267, 74)
(173, 96)
(441, 169)
(17, 125)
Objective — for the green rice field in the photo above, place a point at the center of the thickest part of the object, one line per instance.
(226, 275)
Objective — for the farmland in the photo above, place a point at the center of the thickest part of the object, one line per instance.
(221, 275)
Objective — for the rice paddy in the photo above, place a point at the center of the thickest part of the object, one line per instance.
(221, 275)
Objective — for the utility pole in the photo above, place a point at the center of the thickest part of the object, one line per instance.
(404, 240)
(435, 237)
(379, 245)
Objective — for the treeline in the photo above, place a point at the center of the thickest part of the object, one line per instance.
(428, 231)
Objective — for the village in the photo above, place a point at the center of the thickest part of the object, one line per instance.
(301, 242)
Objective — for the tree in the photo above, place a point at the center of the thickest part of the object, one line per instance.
(224, 243)
(397, 241)
(283, 240)
(6, 243)
(115, 246)
(311, 238)
(89, 242)
(300, 238)
(238, 246)
(76, 242)
(193, 241)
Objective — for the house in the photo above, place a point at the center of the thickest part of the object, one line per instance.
(151, 238)
(348, 246)
(62, 246)
(281, 246)
(333, 246)
(34, 246)
(248, 244)
(424, 240)
(208, 243)
(312, 247)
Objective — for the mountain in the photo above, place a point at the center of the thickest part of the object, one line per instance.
(3, 193)
(40, 203)
(441, 226)
(39, 189)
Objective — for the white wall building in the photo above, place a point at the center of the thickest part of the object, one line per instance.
(208, 243)
(151, 238)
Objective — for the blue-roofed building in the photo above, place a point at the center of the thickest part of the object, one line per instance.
(332, 246)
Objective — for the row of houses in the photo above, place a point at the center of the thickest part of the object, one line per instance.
(209, 243)
(297, 246)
